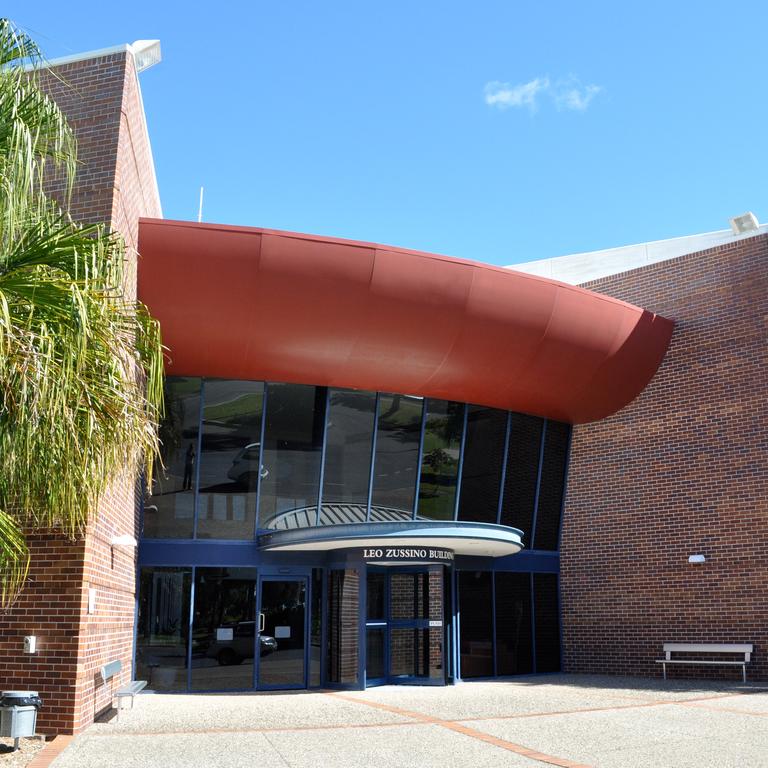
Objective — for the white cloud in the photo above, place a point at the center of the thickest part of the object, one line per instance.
(505, 95)
(571, 94)
(568, 93)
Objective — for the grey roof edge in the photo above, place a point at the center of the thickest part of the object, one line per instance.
(579, 268)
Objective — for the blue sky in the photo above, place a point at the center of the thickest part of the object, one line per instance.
(495, 131)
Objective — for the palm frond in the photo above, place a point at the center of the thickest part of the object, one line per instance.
(80, 363)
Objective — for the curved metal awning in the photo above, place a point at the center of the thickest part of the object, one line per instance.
(247, 303)
(464, 538)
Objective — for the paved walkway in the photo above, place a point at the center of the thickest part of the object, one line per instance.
(533, 722)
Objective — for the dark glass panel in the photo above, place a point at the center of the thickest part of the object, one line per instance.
(375, 668)
(415, 595)
(342, 632)
(376, 588)
(397, 457)
(230, 458)
(293, 441)
(223, 629)
(404, 652)
(514, 644)
(476, 624)
(283, 608)
(403, 595)
(432, 652)
(440, 459)
(522, 473)
(547, 612)
(169, 513)
(483, 458)
(349, 441)
(552, 485)
(316, 628)
(163, 628)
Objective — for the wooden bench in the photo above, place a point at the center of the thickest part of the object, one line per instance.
(108, 671)
(745, 650)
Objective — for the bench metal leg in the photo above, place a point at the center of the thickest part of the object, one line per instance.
(664, 667)
(744, 672)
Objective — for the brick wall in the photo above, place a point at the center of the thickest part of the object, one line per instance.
(115, 185)
(682, 470)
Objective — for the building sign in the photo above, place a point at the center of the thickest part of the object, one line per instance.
(408, 555)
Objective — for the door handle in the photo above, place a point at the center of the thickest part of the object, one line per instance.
(262, 622)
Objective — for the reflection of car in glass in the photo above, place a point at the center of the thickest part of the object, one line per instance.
(228, 652)
(245, 466)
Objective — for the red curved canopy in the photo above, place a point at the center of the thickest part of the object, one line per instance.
(246, 303)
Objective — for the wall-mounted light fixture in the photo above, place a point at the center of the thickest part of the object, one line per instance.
(697, 559)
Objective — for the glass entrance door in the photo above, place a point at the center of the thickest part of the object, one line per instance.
(404, 627)
(282, 633)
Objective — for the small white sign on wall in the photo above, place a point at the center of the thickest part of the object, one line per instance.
(224, 633)
(91, 600)
(282, 632)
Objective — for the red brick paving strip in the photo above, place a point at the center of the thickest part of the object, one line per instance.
(510, 746)
(50, 752)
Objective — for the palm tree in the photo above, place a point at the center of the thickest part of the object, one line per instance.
(80, 363)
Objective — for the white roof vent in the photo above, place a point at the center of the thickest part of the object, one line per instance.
(747, 222)
(146, 54)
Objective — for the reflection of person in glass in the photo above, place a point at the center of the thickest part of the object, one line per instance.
(189, 466)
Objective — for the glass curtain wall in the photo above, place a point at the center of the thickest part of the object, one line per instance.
(162, 634)
(476, 623)
(483, 463)
(552, 486)
(358, 455)
(509, 623)
(230, 459)
(522, 473)
(514, 641)
(396, 463)
(349, 442)
(170, 511)
(444, 424)
(293, 443)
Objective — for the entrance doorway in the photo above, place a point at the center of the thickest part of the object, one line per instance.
(405, 628)
(282, 633)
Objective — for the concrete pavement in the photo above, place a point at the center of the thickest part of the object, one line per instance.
(562, 720)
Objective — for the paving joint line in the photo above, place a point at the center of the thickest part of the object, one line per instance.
(457, 727)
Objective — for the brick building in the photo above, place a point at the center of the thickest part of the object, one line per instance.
(366, 452)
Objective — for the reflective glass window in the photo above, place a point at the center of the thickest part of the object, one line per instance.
(475, 623)
(522, 473)
(376, 595)
(440, 459)
(223, 629)
(514, 643)
(293, 441)
(342, 632)
(547, 612)
(230, 459)
(170, 511)
(397, 457)
(349, 442)
(483, 459)
(316, 628)
(552, 485)
(162, 632)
